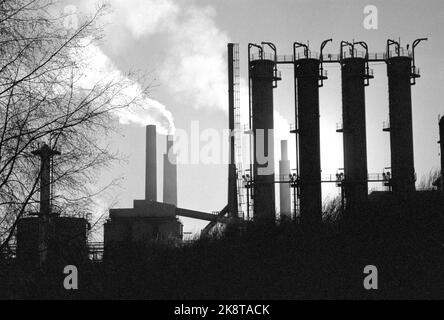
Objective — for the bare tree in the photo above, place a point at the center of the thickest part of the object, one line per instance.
(41, 100)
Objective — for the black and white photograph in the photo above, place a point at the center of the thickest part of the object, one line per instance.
(221, 156)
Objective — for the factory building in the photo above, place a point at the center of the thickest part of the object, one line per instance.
(45, 238)
(148, 220)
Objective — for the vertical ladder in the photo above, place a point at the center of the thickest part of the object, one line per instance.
(237, 127)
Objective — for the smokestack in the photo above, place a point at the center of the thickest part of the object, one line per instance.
(169, 173)
(284, 188)
(44, 236)
(151, 164)
(45, 153)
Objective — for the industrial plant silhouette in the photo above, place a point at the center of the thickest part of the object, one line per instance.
(247, 250)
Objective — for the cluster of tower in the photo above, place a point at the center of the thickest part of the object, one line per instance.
(309, 75)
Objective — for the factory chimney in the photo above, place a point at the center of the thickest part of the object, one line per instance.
(284, 188)
(151, 164)
(169, 173)
(45, 153)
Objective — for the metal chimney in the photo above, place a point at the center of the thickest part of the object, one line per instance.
(284, 188)
(151, 164)
(45, 153)
(169, 174)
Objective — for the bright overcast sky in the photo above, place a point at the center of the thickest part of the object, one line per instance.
(181, 46)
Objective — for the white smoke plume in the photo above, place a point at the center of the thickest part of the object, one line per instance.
(97, 67)
(187, 46)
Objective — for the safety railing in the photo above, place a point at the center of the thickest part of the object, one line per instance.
(264, 56)
(416, 71)
(402, 52)
(339, 127)
(323, 74)
(285, 58)
(9, 252)
(95, 251)
(330, 57)
(354, 54)
(377, 56)
(310, 54)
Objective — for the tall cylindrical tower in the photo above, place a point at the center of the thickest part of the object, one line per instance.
(355, 75)
(263, 76)
(402, 74)
(169, 173)
(307, 89)
(151, 164)
(401, 131)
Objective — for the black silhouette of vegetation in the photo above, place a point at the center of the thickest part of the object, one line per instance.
(287, 261)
